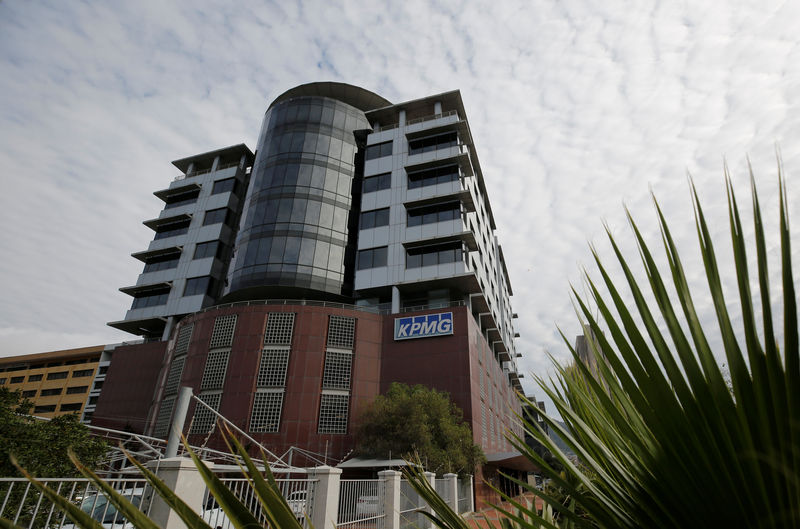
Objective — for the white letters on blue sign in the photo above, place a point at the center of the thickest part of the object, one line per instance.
(440, 324)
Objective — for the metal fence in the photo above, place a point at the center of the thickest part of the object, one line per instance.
(464, 495)
(443, 490)
(361, 504)
(411, 503)
(299, 494)
(26, 506)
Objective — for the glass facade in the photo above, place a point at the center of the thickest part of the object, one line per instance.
(296, 222)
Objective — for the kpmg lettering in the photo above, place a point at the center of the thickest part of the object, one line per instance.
(423, 326)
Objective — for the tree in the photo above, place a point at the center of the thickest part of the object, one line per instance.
(418, 420)
(41, 446)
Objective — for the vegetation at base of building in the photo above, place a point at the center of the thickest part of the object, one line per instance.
(410, 420)
(663, 440)
(40, 445)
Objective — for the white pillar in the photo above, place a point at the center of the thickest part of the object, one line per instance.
(325, 509)
(215, 164)
(401, 118)
(395, 300)
(178, 420)
(437, 108)
(183, 478)
(451, 488)
(390, 479)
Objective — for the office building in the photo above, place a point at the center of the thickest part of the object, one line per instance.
(289, 287)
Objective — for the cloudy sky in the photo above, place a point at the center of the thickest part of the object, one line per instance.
(576, 107)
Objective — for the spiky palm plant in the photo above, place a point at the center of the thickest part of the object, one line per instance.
(668, 442)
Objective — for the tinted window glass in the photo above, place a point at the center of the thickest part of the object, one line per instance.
(224, 186)
(197, 285)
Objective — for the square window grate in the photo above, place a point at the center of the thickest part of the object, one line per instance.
(336, 374)
(184, 336)
(214, 373)
(341, 332)
(266, 416)
(333, 413)
(163, 419)
(272, 369)
(280, 326)
(222, 335)
(203, 420)
(484, 434)
(174, 376)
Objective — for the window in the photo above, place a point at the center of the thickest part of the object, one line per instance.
(29, 393)
(151, 298)
(182, 199)
(174, 376)
(215, 216)
(279, 328)
(214, 372)
(34, 378)
(336, 373)
(19, 380)
(431, 143)
(266, 414)
(98, 385)
(92, 401)
(272, 369)
(81, 373)
(102, 370)
(203, 419)
(333, 413)
(341, 332)
(172, 229)
(74, 406)
(3, 380)
(45, 409)
(77, 389)
(373, 258)
(434, 255)
(164, 415)
(375, 218)
(55, 376)
(377, 182)
(379, 150)
(197, 285)
(206, 249)
(433, 176)
(184, 337)
(162, 262)
(434, 213)
(222, 335)
(50, 392)
(224, 186)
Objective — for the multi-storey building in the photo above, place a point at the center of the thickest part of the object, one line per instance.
(288, 289)
(57, 382)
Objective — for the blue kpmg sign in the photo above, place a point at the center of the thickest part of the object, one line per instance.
(423, 326)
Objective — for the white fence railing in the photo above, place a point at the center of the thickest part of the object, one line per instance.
(24, 504)
(361, 504)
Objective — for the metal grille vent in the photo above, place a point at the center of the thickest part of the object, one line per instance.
(174, 376)
(484, 435)
(336, 374)
(333, 410)
(341, 332)
(203, 419)
(280, 326)
(272, 369)
(163, 418)
(222, 335)
(266, 416)
(214, 373)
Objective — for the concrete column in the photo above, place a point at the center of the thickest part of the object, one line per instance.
(215, 164)
(401, 118)
(395, 300)
(426, 523)
(168, 328)
(325, 508)
(183, 478)
(451, 490)
(178, 419)
(390, 480)
(242, 161)
(437, 108)
(190, 169)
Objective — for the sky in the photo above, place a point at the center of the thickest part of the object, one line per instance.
(577, 108)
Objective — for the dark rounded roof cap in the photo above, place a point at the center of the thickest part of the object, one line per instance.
(363, 100)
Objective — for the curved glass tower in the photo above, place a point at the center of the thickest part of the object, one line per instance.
(297, 232)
